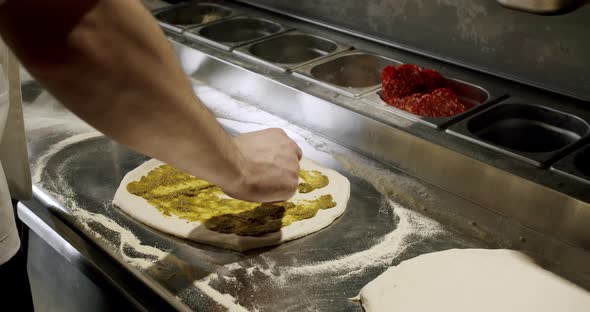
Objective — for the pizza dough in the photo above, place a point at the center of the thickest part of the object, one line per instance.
(139, 208)
(472, 280)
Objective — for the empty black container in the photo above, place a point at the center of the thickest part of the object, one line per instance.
(534, 133)
(576, 165)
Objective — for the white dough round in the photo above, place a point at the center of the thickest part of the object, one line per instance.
(462, 280)
(138, 208)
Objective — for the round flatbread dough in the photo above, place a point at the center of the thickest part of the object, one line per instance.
(462, 280)
(140, 209)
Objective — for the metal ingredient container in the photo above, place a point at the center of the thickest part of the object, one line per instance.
(181, 17)
(534, 133)
(229, 34)
(352, 73)
(291, 50)
(466, 92)
(576, 165)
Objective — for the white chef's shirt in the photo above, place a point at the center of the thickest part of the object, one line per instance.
(14, 170)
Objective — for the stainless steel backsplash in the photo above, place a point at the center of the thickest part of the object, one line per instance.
(552, 52)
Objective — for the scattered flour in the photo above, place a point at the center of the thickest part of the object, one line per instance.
(250, 271)
(150, 255)
(41, 162)
(225, 300)
(127, 239)
(409, 229)
(411, 226)
(85, 217)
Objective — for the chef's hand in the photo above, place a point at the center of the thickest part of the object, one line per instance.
(270, 167)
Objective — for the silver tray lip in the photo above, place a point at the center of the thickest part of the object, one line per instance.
(193, 33)
(181, 28)
(538, 7)
(566, 166)
(304, 72)
(244, 51)
(541, 160)
(440, 123)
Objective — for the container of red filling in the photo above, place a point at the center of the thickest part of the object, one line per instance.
(426, 96)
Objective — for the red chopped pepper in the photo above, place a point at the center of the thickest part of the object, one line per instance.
(420, 91)
(432, 80)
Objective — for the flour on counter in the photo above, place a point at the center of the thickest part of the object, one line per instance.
(225, 300)
(127, 239)
(66, 197)
(41, 162)
(150, 256)
(412, 228)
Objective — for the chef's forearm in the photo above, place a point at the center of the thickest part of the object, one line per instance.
(108, 61)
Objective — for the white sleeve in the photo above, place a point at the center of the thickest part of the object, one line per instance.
(9, 240)
(13, 147)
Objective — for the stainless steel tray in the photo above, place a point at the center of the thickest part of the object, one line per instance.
(467, 92)
(291, 50)
(576, 165)
(180, 17)
(533, 133)
(231, 33)
(352, 73)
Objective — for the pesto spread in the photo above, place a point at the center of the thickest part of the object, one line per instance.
(312, 180)
(174, 192)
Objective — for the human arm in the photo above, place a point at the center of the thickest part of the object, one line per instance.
(110, 64)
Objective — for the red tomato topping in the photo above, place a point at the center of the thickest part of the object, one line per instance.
(420, 91)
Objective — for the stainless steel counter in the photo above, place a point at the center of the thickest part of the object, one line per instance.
(77, 173)
(538, 197)
(78, 180)
(391, 216)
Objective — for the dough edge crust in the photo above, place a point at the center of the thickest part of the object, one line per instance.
(138, 208)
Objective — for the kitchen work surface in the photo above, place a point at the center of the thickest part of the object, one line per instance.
(76, 172)
(417, 186)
